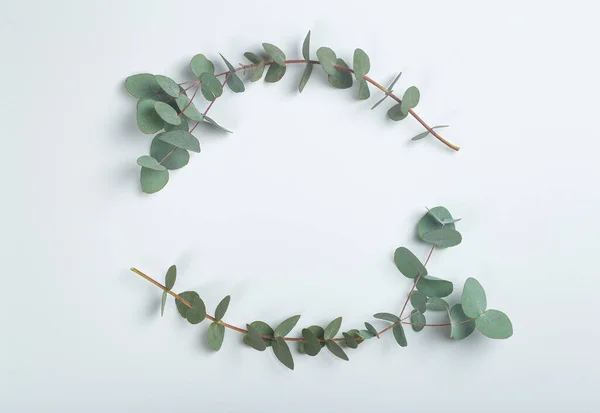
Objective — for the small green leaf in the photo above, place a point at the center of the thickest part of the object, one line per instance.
(328, 60)
(275, 53)
(443, 238)
(399, 335)
(212, 122)
(410, 99)
(319, 332)
(371, 329)
(170, 277)
(200, 64)
(395, 113)
(494, 324)
(417, 320)
(282, 352)
(350, 340)
(212, 84)
(363, 90)
(275, 73)
(387, 317)
(361, 64)
(147, 119)
(150, 163)
(188, 296)
(305, 77)
(428, 223)
(177, 159)
(391, 86)
(153, 181)
(182, 126)
(426, 133)
(408, 264)
(197, 313)
(366, 334)
(258, 72)
(189, 109)
(253, 339)
(390, 90)
(306, 47)
(253, 57)
(222, 308)
(465, 328)
(336, 350)
(163, 302)
(437, 304)
(419, 301)
(332, 329)
(233, 81)
(167, 84)
(312, 346)
(181, 139)
(263, 329)
(434, 287)
(341, 79)
(167, 113)
(286, 326)
(142, 86)
(216, 333)
(473, 300)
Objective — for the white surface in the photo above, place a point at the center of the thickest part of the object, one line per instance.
(300, 210)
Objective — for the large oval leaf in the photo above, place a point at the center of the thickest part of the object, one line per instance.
(167, 84)
(494, 324)
(253, 339)
(167, 113)
(189, 109)
(332, 328)
(434, 287)
(282, 352)
(181, 139)
(275, 73)
(176, 159)
(410, 99)
(200, 64)
(153, 181)
(311, 344)
(473, 300)
(211, 83)
(286, 326)
(216, 333)
(437, 304)
(147, 119)
(408, 264)
(417, 320)
(328, 60)
(395, 113)
(419, 301)
(150, 163)
(429, 222)
(341, 79)
(197, 313)
(361, 64)
(443, 238)
(188, 296)
(461, 325)
(275, 53)
(142, 86)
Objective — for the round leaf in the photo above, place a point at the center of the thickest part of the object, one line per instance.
(153, 181)
(350, 340)
(437, 304)
(465, 328)
(494, 324)
(408, 264)
(428, 223)
(142, 86)
(170, 277)
(332, 328)
(312, 346)
(263, 329)
(147, 119)
(275, 53)
(222, 308)
(211, 83)
(253, 339)
(150, 163)
(410, 99)
(200, 64)
(361, 64)
(395, 113)
(341, 79)
(189, 109)
(198, 311)
(473, 300)
(167, 113)
(282, 352)
(417, 320)
(177, 159)
(188, 296)
(399, 335)
(275, 73)
(419, 301)
(434, 287)
(328, 60)
(168, 85)
(181, 139)
(319, 332)
(182, 126)
(216, 333)
(443, 238)
(286, 326)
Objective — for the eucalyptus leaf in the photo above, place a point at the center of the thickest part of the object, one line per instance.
(168, 85)
(332, 328)
(142, 86)
(222, 308)
(182, 126)
(336, 350)
(197, 313)
(319, 332)
(408, 264)
(328, 60)
(212, 122)
(465, 328)
(473, 300)
(341, 79)
(494, 324)
(211, 83)
(216, 333)
(350, 340)
(234, 82)
(282, 352)
(253, 57)
(189, 109)
(371, 329)
(253, 339)
(365, 334)
(363, 90)
(163, 302)
(361, 64)
(410, 99)
(200, 64)
(426, 133)
(443, 238)
(399, 335)
(306, 47)
(417, 320)
(176, 159)
(153, 181)
(312, 346)
(434, 287)
(167, 113)
(305, 77)
(419, 301)
(389, 91)
(150, 163)
(181, 139)
(395, 113)
(188, 296)
(387, 317)
(261, 328)
(437, 304)
(258, 72)
(429, 223)
(275, 53)
(275, 73)
(170, 277)
(147, 119)
(286, 326)
(208, 95)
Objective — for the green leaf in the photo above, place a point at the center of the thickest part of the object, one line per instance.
(253, 339)
(391, 86)
(319, 332)
(434, 287)
(371, 329)
(443, 238)
(341, 79)
(263, 329)
(366, 334)
(408, 264)
(282, 352)
(419, 301)
(332, 329)
(286, 326)
(208, 95)
(222, 308)
(437, 304)
(361, 64)
(147, 119)
(410, 99)
(159, 149)
(494, 324)
(253, 57)
(426, 133)
(312, 346)
(153, 181)
(167, 84)
(395, 113)
(234, 82)
(212, 84)
(258, 72)
(275, 53)
(350, 340)
(306, 47)
(181, 139)
(465, 328)
(363, 90)
(387, 317)
(197, 313)
(275, 73)
(142, 86)
(167, 113)
(429, 222)
(305, 77)
(188, 296)
(336, 350)
(440, 218)
(328, 60)
(473, 300)
(417, 318)
(182, 126)
(212, 122)
(183, 102)
(390, 90)
(216, 333)
(170, 277)
(399, 335)
(200, 64)
(150, 163)
(163, 302)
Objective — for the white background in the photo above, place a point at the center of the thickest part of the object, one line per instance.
(300, 210)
